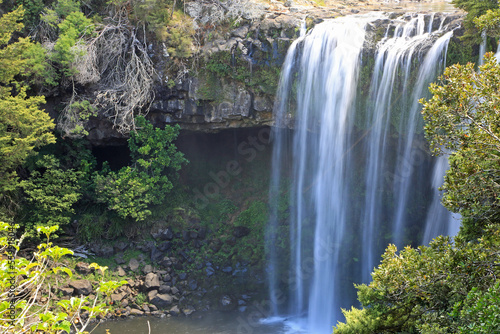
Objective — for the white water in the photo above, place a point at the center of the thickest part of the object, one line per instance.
(336, 207)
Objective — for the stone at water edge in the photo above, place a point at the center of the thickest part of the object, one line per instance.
(162, 300)
(175, 311)
(188, 310)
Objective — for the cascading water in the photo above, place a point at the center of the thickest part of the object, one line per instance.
(357, 158)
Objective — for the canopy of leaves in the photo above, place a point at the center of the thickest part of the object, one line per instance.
(463, 117)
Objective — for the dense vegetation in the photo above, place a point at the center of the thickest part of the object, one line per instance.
(449, 287)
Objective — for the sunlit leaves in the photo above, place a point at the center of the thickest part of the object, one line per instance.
(463, 117)
(425, 289)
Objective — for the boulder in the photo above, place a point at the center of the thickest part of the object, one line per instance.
(152, 294)
(117, 297)
(188, 310)
(120, 271)
(151, 281)
(162, 300)
(133, 264)
(136, 312)
(66, 291)
(174, 311)
(164, 289)
(81, 287)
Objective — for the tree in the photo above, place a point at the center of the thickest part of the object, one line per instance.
(463, 117)
(23, 125)
(474, 9)
(132, 189)
(52, 191)
(426, 289)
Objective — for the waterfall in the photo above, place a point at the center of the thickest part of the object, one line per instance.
(482, 48)
(356, 160)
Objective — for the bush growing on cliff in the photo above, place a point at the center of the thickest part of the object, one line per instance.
(133, 189)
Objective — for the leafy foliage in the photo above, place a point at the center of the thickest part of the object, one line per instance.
(52, 191)
(463, 117)
(426, 289)
(23, 126)
(23, 282)
(132, 189)
(474, 9)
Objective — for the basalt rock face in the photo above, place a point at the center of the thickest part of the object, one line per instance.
(231, 80)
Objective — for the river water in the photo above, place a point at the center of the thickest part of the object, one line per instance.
(207, 323)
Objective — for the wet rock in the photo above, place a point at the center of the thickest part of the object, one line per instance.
(83, 268)
(241, 231)
(188, 310)
(162, 300)
(81, 287)
(151, 281)
(133, 264)
(136, 312)
(174, 310)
